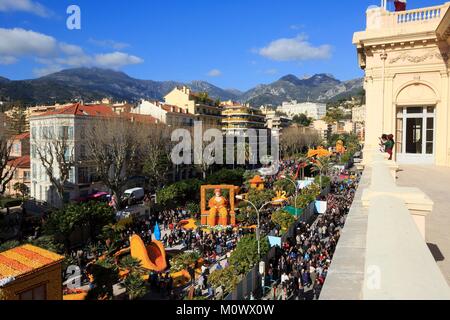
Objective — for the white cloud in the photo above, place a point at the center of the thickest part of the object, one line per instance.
(109, 44)
(19, 42)
(294, 49)
(25, 6)
(6, 60)
(40, 72)
(70, 49)
(116, 60)
(54, 55)
(215, 73)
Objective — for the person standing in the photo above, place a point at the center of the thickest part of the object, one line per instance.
(389, 146)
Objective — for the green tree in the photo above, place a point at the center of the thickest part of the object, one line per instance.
(179, 193)
(245, 256)
(302, 120)
(283, 219)
(226, 176)
(22, 188)
(322, 165)
(183, 261)
(96, 215)
(9, 245)
(285, 185)
(135, 286)
(18, 119)
(156, 167)
(105, 274)
(226, 278)
(63, 222)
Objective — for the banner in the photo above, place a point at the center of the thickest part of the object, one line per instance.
(321, 207)
(157, 233)
(274, 242)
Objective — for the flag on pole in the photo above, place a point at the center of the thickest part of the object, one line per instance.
(400, 5)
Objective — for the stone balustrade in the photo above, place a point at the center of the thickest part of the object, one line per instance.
(382, 253)
(423, 14)
(423, 18)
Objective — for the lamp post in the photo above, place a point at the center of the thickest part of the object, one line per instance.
(258, 230)
(296, 192)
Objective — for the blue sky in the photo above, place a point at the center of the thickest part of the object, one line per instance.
(230, 43)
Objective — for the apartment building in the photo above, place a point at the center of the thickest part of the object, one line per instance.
(311, 109)
(237, 116)
(199, 104)
(170, 115)
(70, 123)
(20, 162)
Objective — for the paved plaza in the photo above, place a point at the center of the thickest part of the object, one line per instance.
(434, 181)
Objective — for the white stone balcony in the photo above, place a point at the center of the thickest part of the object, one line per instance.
(385, 26)
(382, 253)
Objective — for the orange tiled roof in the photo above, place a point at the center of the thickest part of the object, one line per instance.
(78, 109)
(23, 136)
(24, 260)
(21, 162)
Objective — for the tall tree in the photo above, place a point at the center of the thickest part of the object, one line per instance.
(18, 120)
(157, 155)
(56, 154)
(116, 150)
(7, 167)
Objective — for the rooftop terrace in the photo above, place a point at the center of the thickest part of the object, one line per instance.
(382, 253)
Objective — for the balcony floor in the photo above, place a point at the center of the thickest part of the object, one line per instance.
(433, 181)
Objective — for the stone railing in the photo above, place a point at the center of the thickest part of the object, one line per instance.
(424, 18)
(382, 254)
(424, 14)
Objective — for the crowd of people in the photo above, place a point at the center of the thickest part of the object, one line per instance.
(303, 265)
(300, 269)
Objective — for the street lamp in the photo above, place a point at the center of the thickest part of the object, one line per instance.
(240, 197)
(296, 191)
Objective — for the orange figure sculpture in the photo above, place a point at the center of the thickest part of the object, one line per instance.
(218, 206)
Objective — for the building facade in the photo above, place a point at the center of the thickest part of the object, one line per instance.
(313, 110)
(405, 59)
(237, 116)
(167, 114)
(71, 124)
(198, 104)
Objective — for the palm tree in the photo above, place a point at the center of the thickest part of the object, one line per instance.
(135, 286)
(130, 263)
(322, 165)
(303, 160)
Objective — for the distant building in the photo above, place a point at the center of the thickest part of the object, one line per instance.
(313, 110)
(204, 108)
(359, 120)
(167, 114)
(20, 162)
(324, 129)
(71, 122)
(237, 116)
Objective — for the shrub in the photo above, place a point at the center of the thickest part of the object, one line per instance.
(245, 256)
(227, 278)
(326, 181)
(283, 219)
(183, 261)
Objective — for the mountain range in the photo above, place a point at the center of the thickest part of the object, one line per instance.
(91, 84)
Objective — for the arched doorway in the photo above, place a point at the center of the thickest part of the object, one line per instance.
(416, 124)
